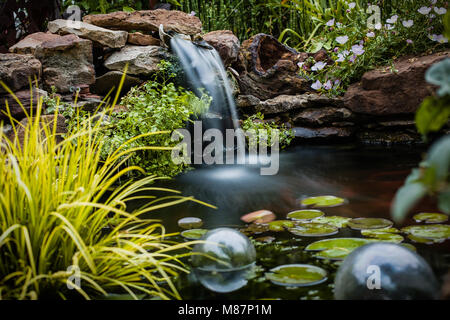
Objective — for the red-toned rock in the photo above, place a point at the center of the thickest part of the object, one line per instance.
(148, 20)
(31, 42)
(382, 92)
(16, 70)
(24, 96)
(140, 39)
(226, 44)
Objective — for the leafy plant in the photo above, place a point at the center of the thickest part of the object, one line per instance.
(63, 217)
(256, 122)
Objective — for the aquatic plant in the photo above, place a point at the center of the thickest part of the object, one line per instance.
(64, 222)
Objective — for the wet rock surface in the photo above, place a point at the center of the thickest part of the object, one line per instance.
(226, 44)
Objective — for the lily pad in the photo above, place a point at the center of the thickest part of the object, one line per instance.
(297, 275)
(383, 235)
(261, 216)
(337, 248)
(255, 228)
(190, 223)
(369, 223)
(305, 215)
(194, 234)
(323, 201)
(337, 221)
(436, 232)
(430, 217)
(424, 240)
(409, 246)
(313, 230)
(280, 225)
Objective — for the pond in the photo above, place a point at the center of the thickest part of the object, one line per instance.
(367, 177)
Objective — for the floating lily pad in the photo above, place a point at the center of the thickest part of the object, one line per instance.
(435, 232)
(305, 215)
(369, 223)
(190, 223)
(337, 248)
(297, 275)
(194, 234)
(261, 216)
(383, 235)
(255, 228)
(313, 230)
(409, 246)
(337, 221)
(280, 225)
(323, 201)
(424, 240)
(430, 217)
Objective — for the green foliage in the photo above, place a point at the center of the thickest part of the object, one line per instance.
(433, 114)
(439, 75)
(256, 122)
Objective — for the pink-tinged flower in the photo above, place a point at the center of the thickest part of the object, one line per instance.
(358, 49)
(318, 66)
(392, 20)
(317, 85)
(352, 58)
(352, 5)
(342, 39)
(330, 23)
(424, 10)
(408, 24)
(336, 49)
(370, 34)
(440, 11)
(409, 41)
(328, 85)
(192, 13)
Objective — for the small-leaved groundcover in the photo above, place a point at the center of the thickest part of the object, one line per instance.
(313, 230)
(336, 249)
(323, 201)
(305, 215)
(297, 275)
(369, 223)
(430, 217)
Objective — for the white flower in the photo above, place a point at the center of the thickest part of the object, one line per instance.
(438, 38)
(378, 26)
(408, 24)
(341, 58)
(433, 1)
(392, 20)
(342, 39)
(317, 85)
(338, 24)
(300, 64)
(318, 66)
(389, 27)
(330, 23)
(328, 85)
(440, 11)
(370, 34)
(352, 5)
(424, 10)
(431, 16)
(358, 49)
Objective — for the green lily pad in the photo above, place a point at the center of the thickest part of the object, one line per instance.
(313, 230)
(430, 217)
(323, 201)
(436, 232)
(193, 234)
(337, 221)
(305, 215)
(280, 225)
(190, 223)
(409, 246)
(297, 275)
(255, 228)
(423, 240)
(369, 223)
(337, 248)
(383, 235)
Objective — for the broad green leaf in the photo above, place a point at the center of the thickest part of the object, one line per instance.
(432, 115)
(406, 198)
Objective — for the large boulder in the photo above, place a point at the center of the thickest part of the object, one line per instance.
(66, 62)
(17, 70)
(105, 37)
(148, 20)
(31, 42)
(111, 79)
(141, 60)
(25, 97)
(270, 68)
(382, 92)
(226, 44)
(140, 39)
(322, 116)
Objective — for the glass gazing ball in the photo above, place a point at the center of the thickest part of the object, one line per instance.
(222, 262)
(385, 271)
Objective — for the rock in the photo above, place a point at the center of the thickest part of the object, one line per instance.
(112, 79)
(226, 44)
(66, 62)
(270, 68)
(105, 37)
(147, 20)
(17, 70)
(140, 39)
(286, 103)
(31, 42)
(389, 137)
(328, 133)
(141, 60)
(24, 97)
(46, 120)
(247, 101)
(382, 92)
(321, 116)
